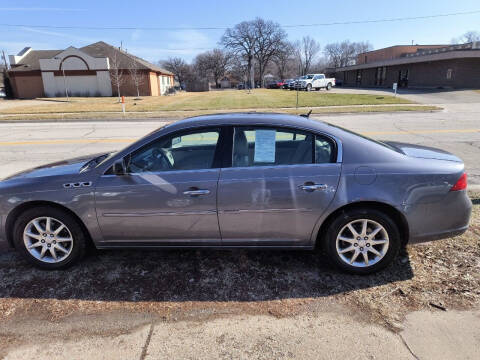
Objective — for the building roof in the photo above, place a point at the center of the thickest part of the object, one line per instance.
(30, 61)
(471, 50)
(99, 49)
(405, 46)
(102, 49)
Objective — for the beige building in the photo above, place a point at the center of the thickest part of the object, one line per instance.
(83, 72)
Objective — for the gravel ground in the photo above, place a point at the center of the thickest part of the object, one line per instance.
(200, 285)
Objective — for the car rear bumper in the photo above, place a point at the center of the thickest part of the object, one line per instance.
(439, 220)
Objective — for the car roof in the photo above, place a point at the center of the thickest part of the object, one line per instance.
(251, 118)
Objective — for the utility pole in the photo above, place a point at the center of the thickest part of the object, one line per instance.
(295, 85)
(4, 60)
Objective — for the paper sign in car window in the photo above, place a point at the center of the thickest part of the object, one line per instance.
(264, 146)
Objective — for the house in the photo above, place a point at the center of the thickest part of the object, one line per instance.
(85, 71)
(225, 83)
(416, 66)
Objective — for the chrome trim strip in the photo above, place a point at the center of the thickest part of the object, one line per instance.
(261, 211)
(160, 213)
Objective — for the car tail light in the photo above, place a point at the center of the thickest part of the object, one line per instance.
(461, 184)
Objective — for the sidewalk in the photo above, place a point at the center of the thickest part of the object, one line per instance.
(317, 334)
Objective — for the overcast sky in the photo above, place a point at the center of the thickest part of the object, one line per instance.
(154, 45)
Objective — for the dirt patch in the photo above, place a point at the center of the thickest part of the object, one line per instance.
(199, 285)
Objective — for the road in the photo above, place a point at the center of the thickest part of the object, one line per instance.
(455, 129)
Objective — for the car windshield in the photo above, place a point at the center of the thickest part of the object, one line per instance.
(308, 76)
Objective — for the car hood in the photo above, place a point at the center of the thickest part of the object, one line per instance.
(424, 152)
(64, 167)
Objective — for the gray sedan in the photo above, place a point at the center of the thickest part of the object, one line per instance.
(268, 181)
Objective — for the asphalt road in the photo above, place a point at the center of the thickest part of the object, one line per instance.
(455, 129)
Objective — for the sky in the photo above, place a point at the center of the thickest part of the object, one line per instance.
(154, 45)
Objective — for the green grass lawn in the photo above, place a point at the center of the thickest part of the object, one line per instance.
(207, 101)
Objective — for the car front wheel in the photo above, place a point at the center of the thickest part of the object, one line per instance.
(49, 238)
(362, 241)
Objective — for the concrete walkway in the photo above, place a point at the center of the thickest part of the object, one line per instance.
(315, 335)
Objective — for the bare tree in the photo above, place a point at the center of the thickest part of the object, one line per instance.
(178, 67)
(136, 75)
(241, 40)
(213, 64)
(283, 58)
(345, 53)
(320, 66)
(116, 74)
(468, 37)
(306, 50)
(269, 38)
(238, 69)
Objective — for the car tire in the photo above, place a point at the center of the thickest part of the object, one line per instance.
(71, 230)
(309, 87)
(329, 86)
(339, 228)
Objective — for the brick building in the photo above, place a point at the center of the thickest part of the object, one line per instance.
(84, 72)
(417, 66)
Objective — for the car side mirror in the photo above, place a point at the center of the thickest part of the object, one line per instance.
(118, 168)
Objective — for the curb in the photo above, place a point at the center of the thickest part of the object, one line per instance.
(43, 121)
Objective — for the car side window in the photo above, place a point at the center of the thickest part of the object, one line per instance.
(180, 151)
(324, 150)
(270, 146)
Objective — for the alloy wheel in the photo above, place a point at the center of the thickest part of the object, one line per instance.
(48, 239)
(362, 243)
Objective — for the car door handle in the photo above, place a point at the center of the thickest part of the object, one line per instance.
(312, 187)
(196, 192)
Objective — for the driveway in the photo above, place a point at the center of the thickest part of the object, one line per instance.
(420, 96)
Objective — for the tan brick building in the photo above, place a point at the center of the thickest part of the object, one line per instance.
(417, 66)
(83, 72)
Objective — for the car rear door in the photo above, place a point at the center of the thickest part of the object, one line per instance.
(161, 201)
(280, 182)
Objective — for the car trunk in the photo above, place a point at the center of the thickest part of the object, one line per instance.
(424, 152)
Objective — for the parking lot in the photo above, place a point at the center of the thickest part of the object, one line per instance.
(241, 304)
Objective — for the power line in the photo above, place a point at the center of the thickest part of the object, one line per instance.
(386, 20)
(224, 28)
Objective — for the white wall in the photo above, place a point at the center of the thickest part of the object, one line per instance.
(78, 85)
(53, 64)
(98, 84)
(164, 83)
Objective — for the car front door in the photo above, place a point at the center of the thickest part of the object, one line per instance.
(279, 184)
(168, 194)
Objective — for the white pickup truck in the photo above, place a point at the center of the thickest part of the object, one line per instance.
(314, 81)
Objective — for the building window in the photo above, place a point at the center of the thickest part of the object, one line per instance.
(449, 74)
